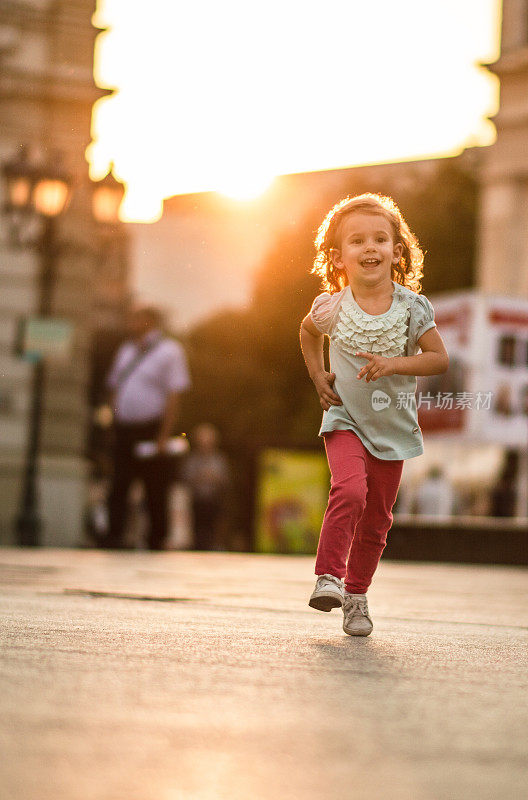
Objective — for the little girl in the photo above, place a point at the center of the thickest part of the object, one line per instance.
(370, 263)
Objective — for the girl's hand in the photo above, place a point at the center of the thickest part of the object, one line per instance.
(324, 382)
(377, 367)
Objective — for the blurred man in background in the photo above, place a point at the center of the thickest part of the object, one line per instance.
(146, 379)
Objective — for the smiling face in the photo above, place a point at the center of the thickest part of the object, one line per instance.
(367, 252)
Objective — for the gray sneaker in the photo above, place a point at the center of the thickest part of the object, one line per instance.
(356, 618)
(328, 593)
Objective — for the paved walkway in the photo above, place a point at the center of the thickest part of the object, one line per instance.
(186, 676)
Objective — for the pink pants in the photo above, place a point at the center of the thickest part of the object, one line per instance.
(363, 490)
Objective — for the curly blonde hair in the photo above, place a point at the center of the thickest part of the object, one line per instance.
(407, 272)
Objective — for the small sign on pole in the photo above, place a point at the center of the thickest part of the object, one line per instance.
(43, 338)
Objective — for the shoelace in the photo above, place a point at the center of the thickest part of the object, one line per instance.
(352, 604)
(330, 579)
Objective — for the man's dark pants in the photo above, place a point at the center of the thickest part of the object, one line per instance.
(156, 473)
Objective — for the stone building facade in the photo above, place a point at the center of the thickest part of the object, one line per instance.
(503, 238)
(47, 93)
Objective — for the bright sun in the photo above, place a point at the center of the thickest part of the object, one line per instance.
(287, 93)
(245, 187)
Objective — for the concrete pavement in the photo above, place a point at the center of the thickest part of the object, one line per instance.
(179, 676)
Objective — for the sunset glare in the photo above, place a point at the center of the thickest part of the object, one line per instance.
(225, 96)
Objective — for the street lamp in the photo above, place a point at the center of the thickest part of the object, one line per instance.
(20, 176)
(107, 195)
(36, 187)
(40, 193)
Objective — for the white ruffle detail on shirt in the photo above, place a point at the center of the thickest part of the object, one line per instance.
(384, 335)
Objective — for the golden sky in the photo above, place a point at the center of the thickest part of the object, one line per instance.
(226, 95)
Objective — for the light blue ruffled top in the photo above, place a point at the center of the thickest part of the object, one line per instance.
(382, 412)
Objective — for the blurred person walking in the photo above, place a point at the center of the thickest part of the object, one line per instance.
(146, 379)
(435, 496)
(206, 473)
(370, 264)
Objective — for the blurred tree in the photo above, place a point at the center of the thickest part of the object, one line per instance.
(442, 212)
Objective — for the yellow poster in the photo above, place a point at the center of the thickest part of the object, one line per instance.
(292, 494)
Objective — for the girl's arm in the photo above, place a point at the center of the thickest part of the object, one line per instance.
(312, 348)
(433, 360)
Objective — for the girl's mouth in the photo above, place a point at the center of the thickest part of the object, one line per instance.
(370, 262)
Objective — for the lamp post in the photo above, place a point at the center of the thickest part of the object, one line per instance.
(107, 195)
(40, 193)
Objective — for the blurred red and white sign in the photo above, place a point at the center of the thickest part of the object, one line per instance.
(483, 397)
